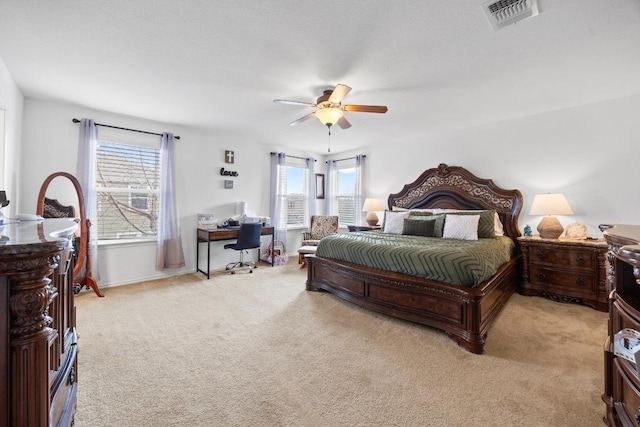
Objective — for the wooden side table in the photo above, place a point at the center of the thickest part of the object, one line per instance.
(363, 227)
(565, 270)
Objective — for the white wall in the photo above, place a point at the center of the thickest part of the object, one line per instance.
(50, 145)
(590, 153)
(11, 101)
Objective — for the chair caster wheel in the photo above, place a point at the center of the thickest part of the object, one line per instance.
(250, 271)
(233, 272)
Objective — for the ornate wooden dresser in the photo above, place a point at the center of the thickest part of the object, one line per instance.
(38, 366)
(565, 270)
(622, 383)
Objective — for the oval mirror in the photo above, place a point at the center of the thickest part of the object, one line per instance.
(61, 197)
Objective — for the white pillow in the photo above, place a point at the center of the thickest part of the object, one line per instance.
(497, 225)
(461, 227)
(394, 222)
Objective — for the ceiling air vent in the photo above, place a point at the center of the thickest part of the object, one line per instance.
(506, 12)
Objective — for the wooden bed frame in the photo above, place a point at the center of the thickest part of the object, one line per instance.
(464, 313)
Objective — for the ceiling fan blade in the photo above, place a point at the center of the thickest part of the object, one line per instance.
(365, 108)
(302, 119)
(284, 101)
(339, 93)
(344, 123)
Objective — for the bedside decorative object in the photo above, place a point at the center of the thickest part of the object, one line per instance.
(565, 270)
(550, 204)
(371, 206)
(228, 183)
(576, 230)
(527, 230)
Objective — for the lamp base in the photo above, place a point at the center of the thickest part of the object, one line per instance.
(550, 227)
(372, 219)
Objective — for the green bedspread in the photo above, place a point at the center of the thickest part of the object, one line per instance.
(461, 262)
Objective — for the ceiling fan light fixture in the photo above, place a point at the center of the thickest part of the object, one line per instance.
(329, 116)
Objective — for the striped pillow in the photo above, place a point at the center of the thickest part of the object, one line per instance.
(419, 227)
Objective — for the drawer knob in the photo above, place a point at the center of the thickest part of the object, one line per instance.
(541, 255)
(580, 281)
(580, 259)
(541, 275)
(638, 415)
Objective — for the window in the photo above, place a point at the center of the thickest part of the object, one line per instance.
(346, 197)
(127, 184)
(297, 178)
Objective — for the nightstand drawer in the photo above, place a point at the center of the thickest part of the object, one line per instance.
(627, 399)
(566, 279)
(566, 257)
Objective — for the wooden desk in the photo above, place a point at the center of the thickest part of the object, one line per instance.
(216, 234)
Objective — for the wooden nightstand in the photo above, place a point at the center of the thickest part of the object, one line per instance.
(565, 270)
(363, 227)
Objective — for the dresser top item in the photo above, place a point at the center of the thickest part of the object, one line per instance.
(17, 236)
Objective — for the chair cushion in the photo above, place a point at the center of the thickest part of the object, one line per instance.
(322, 226)
(307, 250)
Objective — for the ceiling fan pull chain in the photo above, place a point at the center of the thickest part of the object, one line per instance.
(329, 146)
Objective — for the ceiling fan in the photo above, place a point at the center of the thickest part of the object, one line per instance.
(330, 109)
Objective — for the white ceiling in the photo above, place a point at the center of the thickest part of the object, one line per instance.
(437, 64)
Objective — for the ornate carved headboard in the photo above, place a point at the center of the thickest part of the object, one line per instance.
(454, 187)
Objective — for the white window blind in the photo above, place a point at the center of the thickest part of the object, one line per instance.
(127, 184)
(346, 171)
(297, 192)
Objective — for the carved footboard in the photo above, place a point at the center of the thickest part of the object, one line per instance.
(465, 314)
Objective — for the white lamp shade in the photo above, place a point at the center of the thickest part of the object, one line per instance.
(329, 115)
(550, 204)
(371, 205)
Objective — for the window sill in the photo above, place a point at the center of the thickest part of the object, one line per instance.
(126, 242)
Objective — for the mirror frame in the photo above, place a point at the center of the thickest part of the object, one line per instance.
(82, 250)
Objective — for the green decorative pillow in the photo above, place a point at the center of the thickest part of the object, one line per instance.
(428, 216)
(419, 227)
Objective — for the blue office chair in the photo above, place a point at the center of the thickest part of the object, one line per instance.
(248, 238)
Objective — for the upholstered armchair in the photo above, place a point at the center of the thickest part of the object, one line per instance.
(321, 226)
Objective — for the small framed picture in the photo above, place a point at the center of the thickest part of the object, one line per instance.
(228, 183)
(229, 156)
(319, 186)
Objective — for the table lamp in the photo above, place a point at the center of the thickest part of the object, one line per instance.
(370, 206)
(550, 204)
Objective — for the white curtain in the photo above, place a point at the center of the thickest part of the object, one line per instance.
(360, 190)
(86, 171)
(169, 253)
(332, 188)
(278, 210)
(311, 191)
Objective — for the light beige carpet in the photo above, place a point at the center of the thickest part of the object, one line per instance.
(258, 350)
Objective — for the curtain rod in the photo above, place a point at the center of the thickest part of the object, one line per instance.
(347, 158)
(131, 130)
(295, 157)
